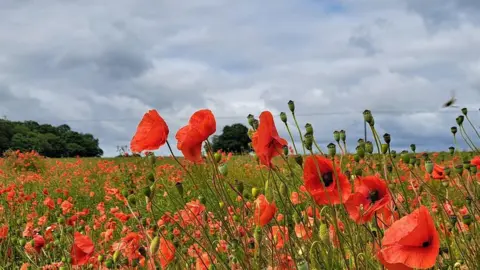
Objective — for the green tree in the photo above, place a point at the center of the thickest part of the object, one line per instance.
(234, 138)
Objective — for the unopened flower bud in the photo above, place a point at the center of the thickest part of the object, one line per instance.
(154, 245)
(369, 147)
(255, 192)
(291, 106)
(223, 169)
(336, 136)
(387, 138)
(343, 135)
(250, 118)
(459, 120)
(283, 117)
(464, 111)
(332, 149)
(308, 141)
(179, 187)
(384, 148)
(323, 233)
(428, 166)
(413, 147)
(451, 149)
(360, 151)
(368, 117)
(217, 156)
(116, 255)
(308, 128)
(453, 130)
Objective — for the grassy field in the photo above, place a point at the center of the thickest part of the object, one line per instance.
(371, 209)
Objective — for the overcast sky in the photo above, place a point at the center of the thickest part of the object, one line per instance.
(98, 66)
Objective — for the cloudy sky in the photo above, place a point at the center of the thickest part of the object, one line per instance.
(100, 65)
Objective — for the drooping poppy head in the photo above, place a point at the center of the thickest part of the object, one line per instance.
(264, 211)
(325, 185)
(152, 132)
(201, 125)
(371, 195)
(265, 141)
(82, 249)
(411, 241)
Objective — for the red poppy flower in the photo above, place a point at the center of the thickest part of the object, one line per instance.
(411, 241)
(264, 211)
(371, 195)
(166, 252)
(265, 141)
(82, 249)
(201, 125)
(152, 132)
(316, 166)
(38, 242)
(476, 161)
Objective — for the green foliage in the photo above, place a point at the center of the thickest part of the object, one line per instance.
(47, 140)
(233, 139)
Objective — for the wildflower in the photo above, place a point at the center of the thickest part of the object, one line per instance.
(152, 132)
(264, 211)
(265, 141)
(82, 249)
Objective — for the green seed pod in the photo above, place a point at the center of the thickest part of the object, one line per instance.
(255, 192)
(332, 150)
(393, 153)
(384, 148)
(100, 258)
(465, 111)
(413, 147)
(459, 120)
(453, 130)
(429, 166)
(369, 147)
(291, 106)
(283, 117)
(308, 141)
(343, 135)
(217, 156)
(308, 128)
(360, 151)
(223, 169)
(250, 119)
(451, 149)
(336, 136)
(116, 256)
(154, 245)
(387, 138)
(406, 158)
(109, 263)
(368, 117)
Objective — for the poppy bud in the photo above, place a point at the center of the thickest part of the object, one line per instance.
(384, 148)
(459, 120)
(356, 157)
(283, 117)
(360, 151)
(413, 147)
(464, 111)
(202, 199)
(285, 150)
(291, 106)
(223, 169)
(268, 191)
(453, 130)
(239, 186)
(393, 153)
(116, 255)
(368, 117)
(250, 118)
(332, 149)
(369, 147)
(109, 263)
(451, 149)
(429, 166)
(459, 169)
(387, 138)
(179, 187)
(406, 158)
(255, 192)
(308, 141)
(336, 136)
(217, 156)
(308, 128)
(343, 135)
(323, 233)
(299, 160)
(154, 245)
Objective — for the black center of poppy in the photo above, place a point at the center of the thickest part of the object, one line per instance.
(426, 244)
(327, 178)
(374, 196)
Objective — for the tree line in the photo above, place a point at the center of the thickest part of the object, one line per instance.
(47, 140)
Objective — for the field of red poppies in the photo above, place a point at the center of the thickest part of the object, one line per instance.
(286, 207)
